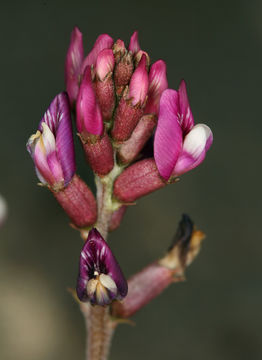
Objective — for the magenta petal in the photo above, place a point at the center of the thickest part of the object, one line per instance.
(103, 41)
(157, 84)
(138, 87)
(196, 144)
(168, 135)
(73, 64)
(105, 63)
(55, 167)
(186, 116)
(88, 114)
(58, 119)
(134, 46)
(96, 262)
(42, 168)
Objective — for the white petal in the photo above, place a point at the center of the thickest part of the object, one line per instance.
(108, 283)
(195, 141)
(48, 139)
(91, 287)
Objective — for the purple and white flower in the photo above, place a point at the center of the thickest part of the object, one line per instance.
(51, 147)
(100, 279)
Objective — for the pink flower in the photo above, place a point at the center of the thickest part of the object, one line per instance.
(179, 145)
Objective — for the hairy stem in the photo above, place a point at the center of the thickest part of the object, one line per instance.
(100, 329)
(99, 326)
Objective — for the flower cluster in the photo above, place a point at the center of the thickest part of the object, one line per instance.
(137, 135)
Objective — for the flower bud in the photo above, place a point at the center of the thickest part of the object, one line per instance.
(103, 41)
(130, 108)
(134, 46)
(157, 84)
(100, 279)
(73, 64)
(78, 202)
(52, 148)
(119, 49)
(138, 87)
(130, 149)
(104, 84)
(88, 114)
(123, 72)
(138, 180)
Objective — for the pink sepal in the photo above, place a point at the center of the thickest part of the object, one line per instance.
(130, 149)
(99, 153)
(138, 180)
(126, 119)
(78, 202)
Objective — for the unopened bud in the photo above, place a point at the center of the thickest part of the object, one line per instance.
(134, 46)
(123, 72)
(104, 84)
(88, 113)
(119, 49)
(100, 279)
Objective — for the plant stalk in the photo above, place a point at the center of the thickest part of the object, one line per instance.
(99, 325)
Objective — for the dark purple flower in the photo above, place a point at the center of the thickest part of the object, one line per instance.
(52, 147)
(100, 279)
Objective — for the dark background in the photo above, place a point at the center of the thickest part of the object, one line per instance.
(216, 313)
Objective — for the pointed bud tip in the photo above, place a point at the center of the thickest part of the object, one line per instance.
(105, 63)
(134, 46)
(88, 114)
(100, 278)
(139, 82)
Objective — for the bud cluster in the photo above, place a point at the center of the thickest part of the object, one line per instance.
(137, 136)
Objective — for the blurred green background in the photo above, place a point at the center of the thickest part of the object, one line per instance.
(216, 313)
